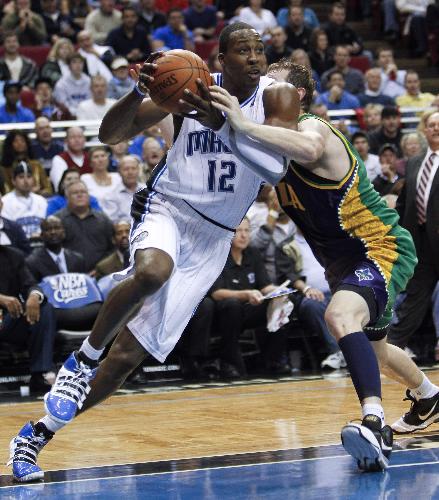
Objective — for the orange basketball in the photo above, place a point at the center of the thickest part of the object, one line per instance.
(177, 70)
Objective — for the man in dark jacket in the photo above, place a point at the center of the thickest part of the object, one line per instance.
(28, 72)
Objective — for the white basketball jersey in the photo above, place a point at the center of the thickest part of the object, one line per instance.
(202, 170)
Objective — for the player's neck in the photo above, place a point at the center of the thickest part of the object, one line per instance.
(238, 91)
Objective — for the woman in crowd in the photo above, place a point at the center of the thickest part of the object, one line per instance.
(412, 144)
(262, 20)
(320, 55)
(56, 65)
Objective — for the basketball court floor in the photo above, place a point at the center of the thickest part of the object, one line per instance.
(256, 439)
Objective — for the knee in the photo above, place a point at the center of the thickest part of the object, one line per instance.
(230, 306)
(152, 272)
(341, 322)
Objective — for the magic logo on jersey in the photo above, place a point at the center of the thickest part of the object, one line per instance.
(205, 141)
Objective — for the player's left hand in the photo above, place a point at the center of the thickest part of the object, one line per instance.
(229, 104)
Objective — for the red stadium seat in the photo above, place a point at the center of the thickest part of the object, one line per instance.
(360, 62)
(203, 49)
(37, 54)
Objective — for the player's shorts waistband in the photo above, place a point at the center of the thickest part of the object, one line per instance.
(205, 217)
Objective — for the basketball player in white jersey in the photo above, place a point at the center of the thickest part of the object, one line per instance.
(183, 224)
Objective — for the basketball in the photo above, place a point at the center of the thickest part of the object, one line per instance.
(177, 70)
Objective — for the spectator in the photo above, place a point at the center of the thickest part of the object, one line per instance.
(299, 56)
(78, 10)
(22, 205)
(385, 181)
(74, 156)
(372, 117)
(278, 48)
(174, 35)
(129, 40)
(11, 233)
(152, 153)
(12, 111)
(353, 77)
(201, 20)
(118, 205)
(412, 144)
(53, 258)
(118, 151)
(18, 148)
(311, 19)
(121, 82)
(320, 55)
(73, 88)
(239, 293)
(57, 23)
(44, 146)
(298, 34)
(96, 57)
(96, 107)
(390, 21)
(59, 201)
(149, 17)
(102, 20)
(119, 259)
(88, 232)
(229, 8)
(28, 25)
(262, 20)
(101, 183)
(337, 97)
(413, 97)
(57, 63)
(389, 132)
(320, 110)
(360, 141)
(392, 78)
(45, 105)
(30, 325)
(415, 24)
(372, 93)
(339, 33)
(15, 67)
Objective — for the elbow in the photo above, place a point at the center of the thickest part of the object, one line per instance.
(314, 152)
(106, 137)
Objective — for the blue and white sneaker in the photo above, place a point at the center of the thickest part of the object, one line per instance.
(24, 449)
(70, 389)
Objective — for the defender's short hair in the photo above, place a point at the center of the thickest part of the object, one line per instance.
(227, 31)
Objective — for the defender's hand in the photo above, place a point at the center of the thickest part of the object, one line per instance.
(202, 104)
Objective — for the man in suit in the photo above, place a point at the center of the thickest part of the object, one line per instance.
(418, 206)
(117, 260)
(52, 258)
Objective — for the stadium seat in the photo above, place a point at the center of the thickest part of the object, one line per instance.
(203, 49)
(360, 62)
(37, 54)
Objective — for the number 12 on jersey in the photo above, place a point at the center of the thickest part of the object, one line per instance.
(219, 178)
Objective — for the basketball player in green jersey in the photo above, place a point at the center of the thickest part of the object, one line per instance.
(367, 256)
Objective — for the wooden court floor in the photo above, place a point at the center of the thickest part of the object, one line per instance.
(202, 422)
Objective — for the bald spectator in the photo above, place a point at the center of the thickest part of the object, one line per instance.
(96, 56)
(28, 25)
(278, 48)
(44, 146)
(413, 97)
(372, 93)
(96, 107)
(14, 66)
(353, 78)
(298, 33)
(152, 153)
(119, 259)
(102, 20)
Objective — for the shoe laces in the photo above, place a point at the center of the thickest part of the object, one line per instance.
(74, 387)
(26, 449)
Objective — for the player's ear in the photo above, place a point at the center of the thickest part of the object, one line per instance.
(302, 92)
(221, 58)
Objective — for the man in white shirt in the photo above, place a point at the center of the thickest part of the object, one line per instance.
(96, 107)
(22, 205)
(360, 141)
(94, 55)
(392, 78)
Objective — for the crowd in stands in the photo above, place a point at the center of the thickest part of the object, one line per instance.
(65, 202)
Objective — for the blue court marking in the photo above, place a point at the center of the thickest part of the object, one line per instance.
(414, 474)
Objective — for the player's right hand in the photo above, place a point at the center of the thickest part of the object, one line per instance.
(142, 73)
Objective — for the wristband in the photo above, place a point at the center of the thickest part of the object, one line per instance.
(306, 289)
(139, 92)
(272, 213)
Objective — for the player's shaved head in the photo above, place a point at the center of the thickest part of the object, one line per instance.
(224, 37)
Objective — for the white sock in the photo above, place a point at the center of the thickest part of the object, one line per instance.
(373, 409)
(425, 390)
(51, 424)
(90, 351)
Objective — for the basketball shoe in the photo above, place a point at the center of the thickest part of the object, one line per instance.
(369, 443)
(70, 389)
(24, 449)
(422, 413)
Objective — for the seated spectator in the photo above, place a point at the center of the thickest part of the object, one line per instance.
(129, 39)
(28, 25)
(118, 205)
(74, 156)
(229, 9)
(392, 78)
(259, 211)
(95, 107)
(88, 232)
(152, 153)
(44, 147)
(96, 56)
(353, 78)
(413, 97)
(17, 148)
(102, 20)
(372, 93)
(59, 201)
(14, 66)
(12, 234)
(261, 19)
(298, 33)
(78, 10)
(385, 181)
(337, 97)
(320, 55)
(30, 325)
(320, 110)
(121, 83)
(57, 63)
(339, 33)
(415, 24)
(360, 141)
(388, 132)
(101, 183)
(53, 258)
(73, 88)
(299, 56)
(12, 111)
(238, 293)
(150, 17)
(45, 105)
(57, 23)
(390, 21)
(412, 144)
(311, 19)
(174, 35)
(22, 205)
(372, 117)
(201, 20)
(278, 48)
(118, 151)
(119, 259)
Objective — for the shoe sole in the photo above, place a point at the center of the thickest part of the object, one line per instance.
(35, 476)
(57, 419)
(410, 429)
(362, 445)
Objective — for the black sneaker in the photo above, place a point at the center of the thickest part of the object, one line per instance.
(422, 413)
(369, 443)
